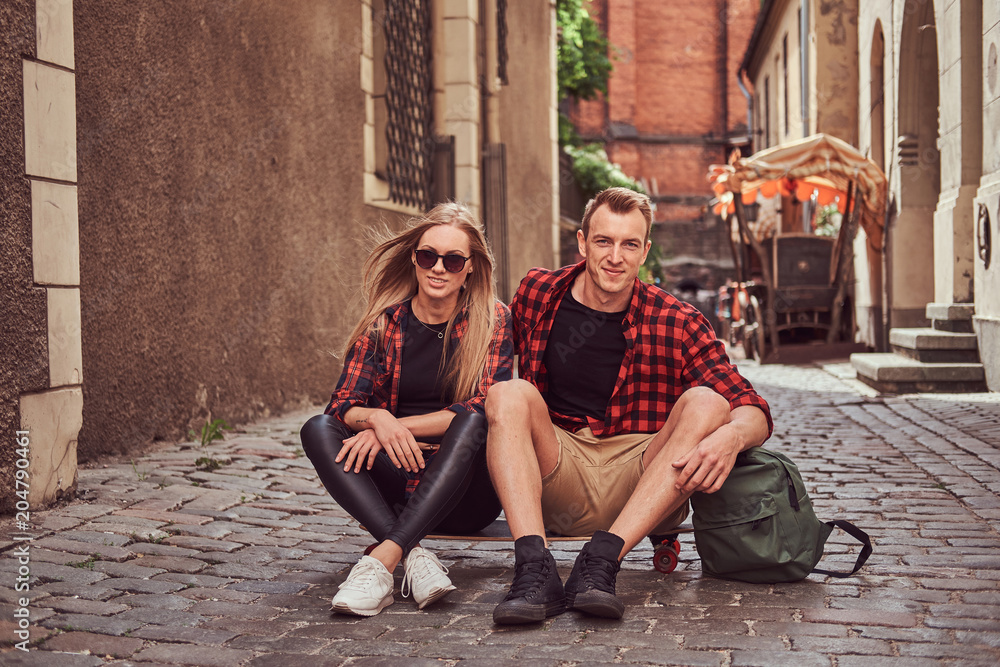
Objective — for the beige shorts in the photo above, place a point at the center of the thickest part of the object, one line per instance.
(593, 479)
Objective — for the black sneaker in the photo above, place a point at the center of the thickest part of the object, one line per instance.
(537, 591)
(591, 585)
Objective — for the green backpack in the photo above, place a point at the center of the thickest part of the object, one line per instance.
(760, 526)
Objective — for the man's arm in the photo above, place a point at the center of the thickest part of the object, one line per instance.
(708, 465)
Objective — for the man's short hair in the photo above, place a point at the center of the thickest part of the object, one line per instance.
(621, 201)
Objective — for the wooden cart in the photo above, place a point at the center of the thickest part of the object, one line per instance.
(791, 297)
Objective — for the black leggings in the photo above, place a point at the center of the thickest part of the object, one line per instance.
(455, 494)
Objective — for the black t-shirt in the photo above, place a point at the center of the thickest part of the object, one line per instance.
(583, 355)
(420, 389)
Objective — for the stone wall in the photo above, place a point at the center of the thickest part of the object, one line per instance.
(532, 159)
(987, 278)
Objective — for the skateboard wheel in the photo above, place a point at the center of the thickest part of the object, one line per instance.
(665, 557)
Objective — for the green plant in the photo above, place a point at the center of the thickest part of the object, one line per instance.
(210, 431)
(141, 476)
(594, 172)
(828, 219)
(86, 564)
(582, 62)
(208, 464)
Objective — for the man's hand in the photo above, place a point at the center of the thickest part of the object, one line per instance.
(397, 441)
(708, 465)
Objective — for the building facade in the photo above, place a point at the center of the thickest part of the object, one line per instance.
(801, 46)
(928, 85)
(674, 107)
(189, 187)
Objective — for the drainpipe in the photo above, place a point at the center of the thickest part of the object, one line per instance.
(746, 94)
(804, 62)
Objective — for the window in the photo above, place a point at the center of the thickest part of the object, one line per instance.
(399, 139)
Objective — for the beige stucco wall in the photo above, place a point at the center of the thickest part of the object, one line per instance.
(24, 335)
(833, 77)
(960, 65)
(833, 104)
(766, 63)
(221, 214)
(528, 128)
(910, 238)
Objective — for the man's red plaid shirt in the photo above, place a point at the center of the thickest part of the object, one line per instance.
(371, 372)
(670, 347)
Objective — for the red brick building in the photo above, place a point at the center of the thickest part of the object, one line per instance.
(674, 107)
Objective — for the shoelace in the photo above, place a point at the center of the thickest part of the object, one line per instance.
(420, 566)
(528, 578)
(598, 573)
(360, 577)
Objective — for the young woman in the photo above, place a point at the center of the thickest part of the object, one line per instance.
(401, 445)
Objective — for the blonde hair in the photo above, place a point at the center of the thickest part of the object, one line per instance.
(390, 278)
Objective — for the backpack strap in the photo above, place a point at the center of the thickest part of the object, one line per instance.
(860, 536)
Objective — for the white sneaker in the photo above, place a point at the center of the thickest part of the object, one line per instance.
(424, 574)
(367, 590)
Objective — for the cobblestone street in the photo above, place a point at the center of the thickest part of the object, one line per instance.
(158, 562)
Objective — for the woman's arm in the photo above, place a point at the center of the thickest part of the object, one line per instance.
(394, 437)
(358, 379)
(430, 425)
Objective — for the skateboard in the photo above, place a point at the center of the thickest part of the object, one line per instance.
(666, 548)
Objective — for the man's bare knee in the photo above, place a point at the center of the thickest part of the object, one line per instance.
(508, 398)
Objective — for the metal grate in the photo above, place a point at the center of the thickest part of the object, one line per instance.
(502, 41)
(409, 104)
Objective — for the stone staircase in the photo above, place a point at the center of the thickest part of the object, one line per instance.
(941, 358)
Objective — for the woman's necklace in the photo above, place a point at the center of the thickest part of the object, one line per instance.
(440, 334)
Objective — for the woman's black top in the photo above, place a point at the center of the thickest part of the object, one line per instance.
(420, 387)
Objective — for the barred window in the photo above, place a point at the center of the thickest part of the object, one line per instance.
(403, 104)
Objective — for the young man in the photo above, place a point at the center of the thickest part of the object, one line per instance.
(625, 405)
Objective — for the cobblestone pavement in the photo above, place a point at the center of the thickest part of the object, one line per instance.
(158, 562)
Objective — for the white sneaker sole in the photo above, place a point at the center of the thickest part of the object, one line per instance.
(343, 608)
(435, 595)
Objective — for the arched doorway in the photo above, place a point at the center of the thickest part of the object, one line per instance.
(910, 255)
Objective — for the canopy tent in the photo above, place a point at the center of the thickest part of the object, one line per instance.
(818, 164)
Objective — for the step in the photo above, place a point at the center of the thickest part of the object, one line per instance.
(893, 373)
(934, 346)
(955, 317)
(955, 326)
(950, 311)
(925, 338)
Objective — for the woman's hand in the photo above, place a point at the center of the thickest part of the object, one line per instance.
(397, 441)
(357, 448)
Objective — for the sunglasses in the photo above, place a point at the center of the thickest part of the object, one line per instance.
(427, 259)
